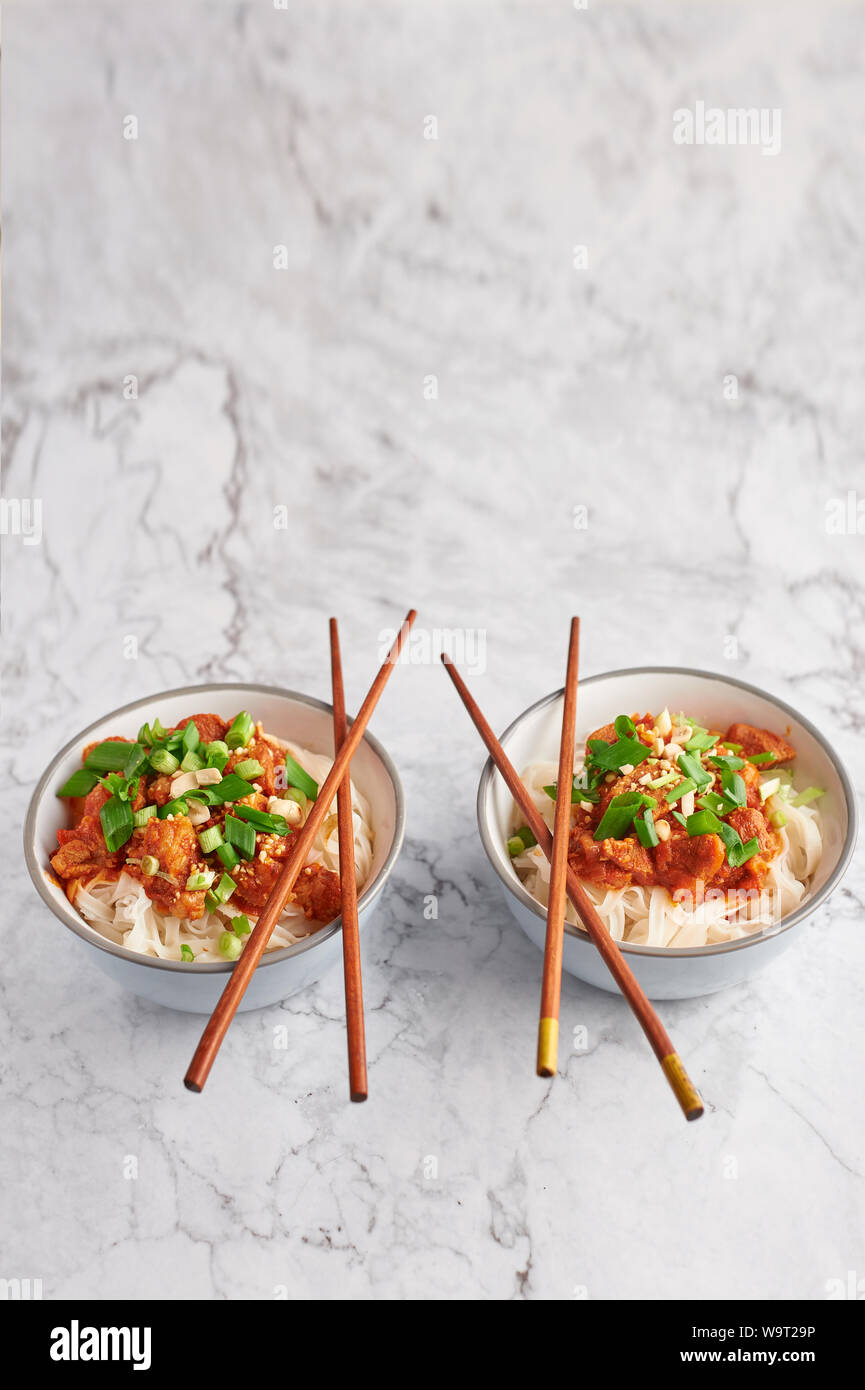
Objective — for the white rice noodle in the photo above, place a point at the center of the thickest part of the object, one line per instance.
(649, 916)
(122, 911)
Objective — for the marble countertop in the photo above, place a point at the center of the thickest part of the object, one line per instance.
(458, 416)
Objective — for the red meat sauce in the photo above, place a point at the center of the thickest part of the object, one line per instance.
(680, 863)
(83, 853)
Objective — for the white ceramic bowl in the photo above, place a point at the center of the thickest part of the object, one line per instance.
(196, 988)
(717, 701)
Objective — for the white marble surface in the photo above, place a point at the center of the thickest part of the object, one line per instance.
(558, 388)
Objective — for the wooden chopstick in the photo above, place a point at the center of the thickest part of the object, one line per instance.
(220, 1020)
(671, 1063)
(357, 1079)
(551, 988)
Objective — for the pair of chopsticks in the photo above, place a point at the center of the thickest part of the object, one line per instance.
(338, 784)
(563, 881)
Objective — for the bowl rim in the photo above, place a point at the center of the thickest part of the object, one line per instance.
(66, 913)
(579, 933)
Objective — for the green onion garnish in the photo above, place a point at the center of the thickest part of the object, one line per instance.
(158, 731)
(241, 925)
(80, 783)
(200, 880)
(809, 794)
(224, 888)
(778, 819)
(526, 836)
(186, 952)
(249, 769)
(210, 839)
(191, 762)
(663, 781)
(110, 756)
(149, 865)
(242, 835)
(217, 754)
(163, 761)
(515, 847)
(699, 741)
(676, 793)
(611, 756)
(264, 821)
(135, 761)
(144, 736)
(177, 807)
(625, 726)
(703, 823)
(141, 817)
(240, 732)
(683, 821)
(229, 856)
(230, 945)
(619, 815)
(693, 768)
(231, 788)
(737, 855)
(760, 758)
(296, 777)
(721, 760)
(117, 823)
(734, 787)
(190, 738)
(645, 828)
(733, 747)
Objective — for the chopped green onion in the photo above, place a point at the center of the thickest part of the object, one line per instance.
(777, 819)
(231, 788)
(229, 856)
(177, 807)
(141, 817)
(240, 732)
(240, 925)
(217, 754)
(271, 824)
(144, 736)
(295, 794)
(242, 835)
(700, 741)
(733, 747)
(186, 952)
(625, 727)
(721, 760)
(230, 945)
(210, 839)
(249, 769)
(224, 888)
(191, 762)
(110, 756)
(515, 847)
(769, 788)
(676, 793)
(163, 761)
(526, 836)
(683, 820)
(809, 794)
(693, 768)
(296, 777)
(645, 828)
(663, 781)
(80, 783)
(703, 823)
(711, 801)
(158, 731)
(117, 823)
(211, 901)
(200, 880)
(737, 855)
(149, 865)
(611, 756)
(619, 815)
(134, 762)
(760, 758)
(190, 738)
(734, 787)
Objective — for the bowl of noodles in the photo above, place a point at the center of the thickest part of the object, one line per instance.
(157, 834)
(708, 820)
